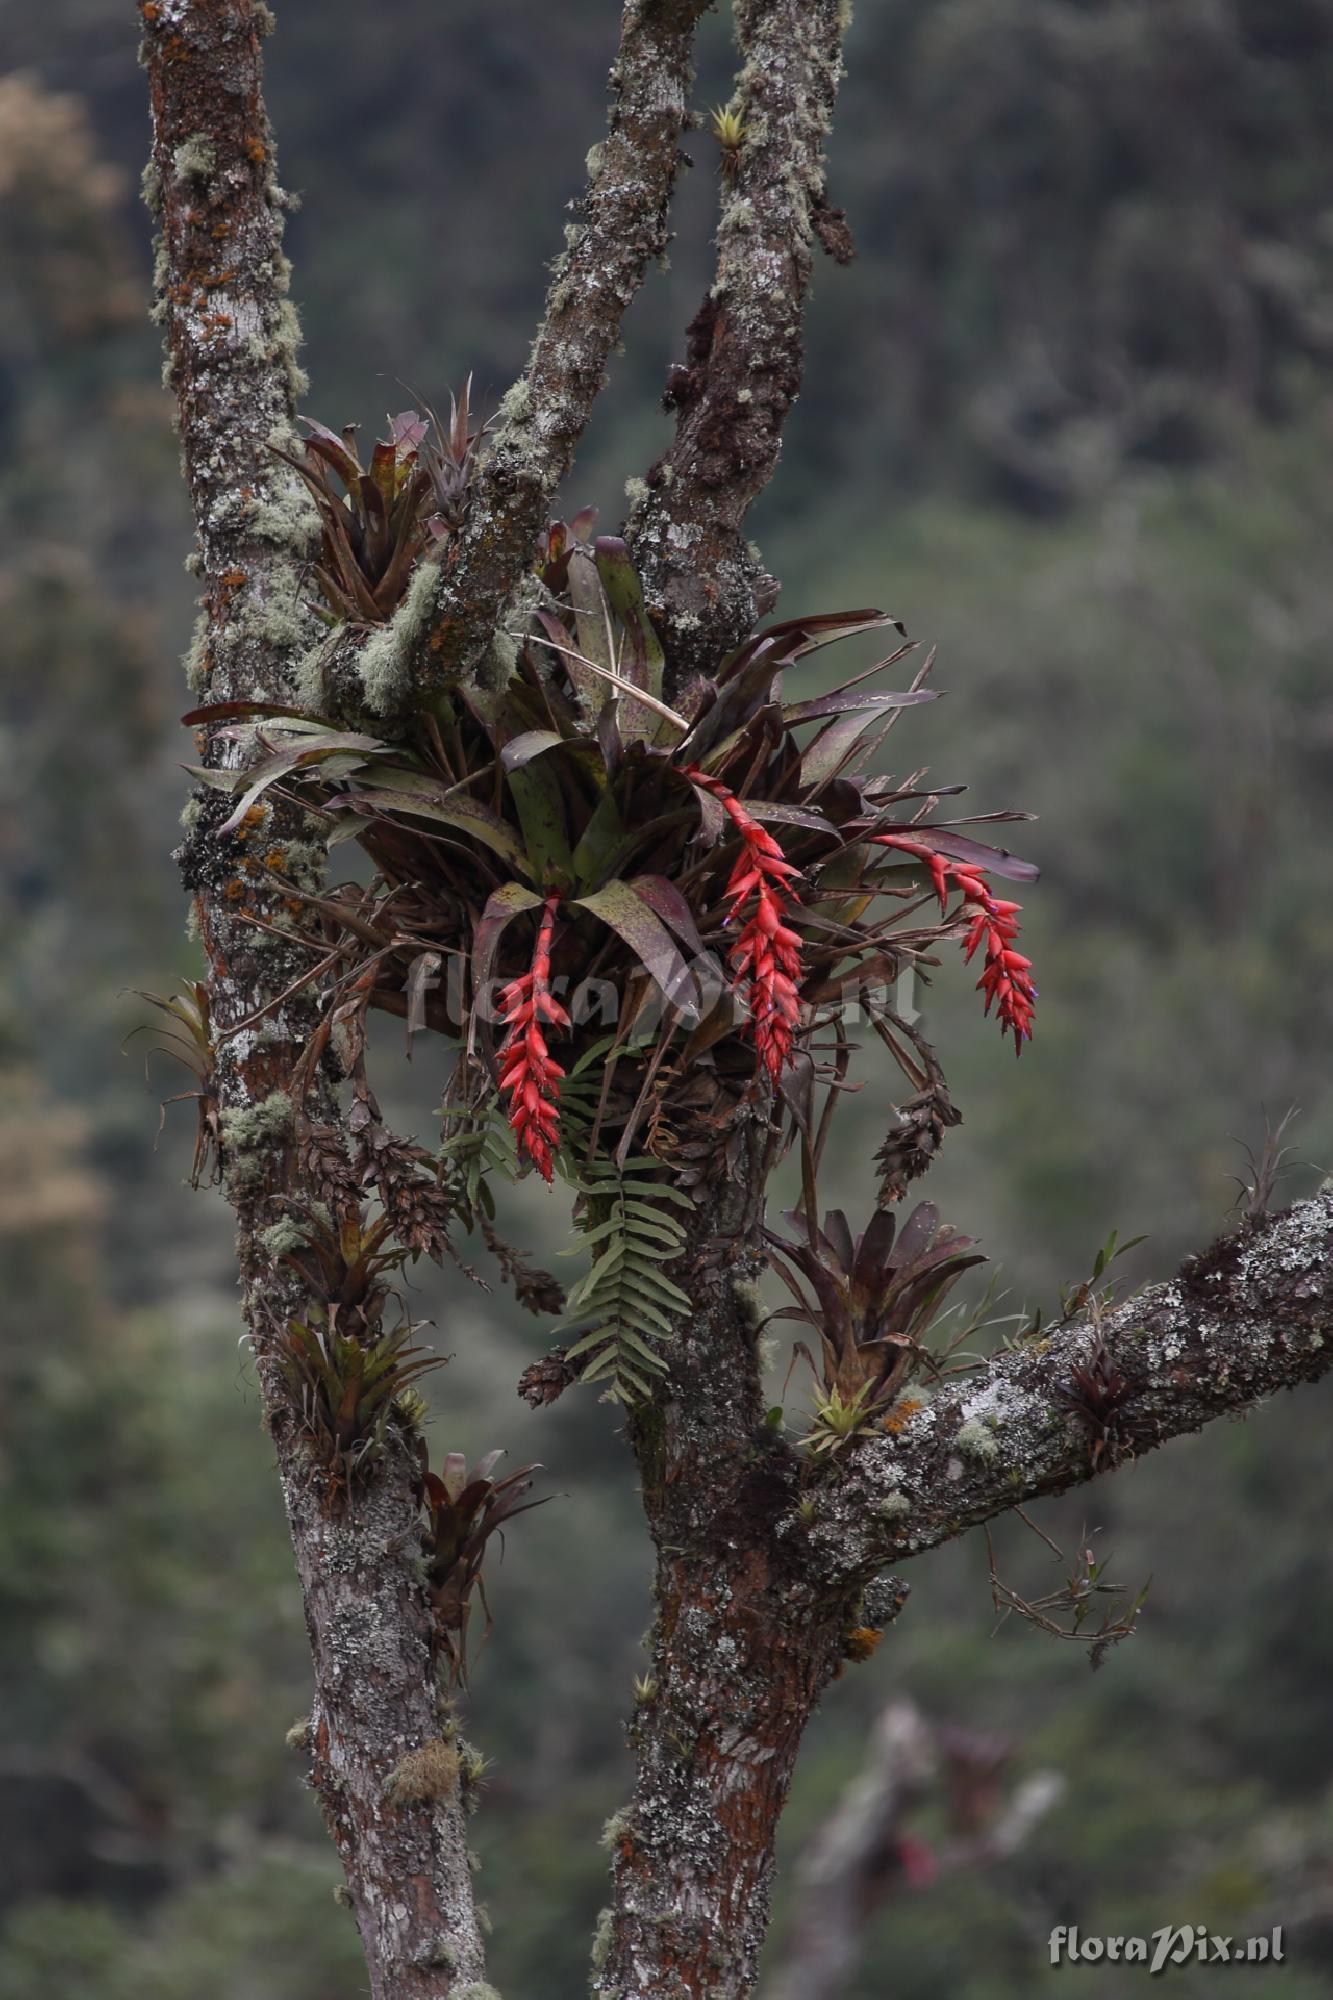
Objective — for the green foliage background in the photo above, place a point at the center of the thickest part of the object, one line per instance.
(1070, 416)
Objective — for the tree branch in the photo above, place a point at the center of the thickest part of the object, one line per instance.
(1249, 1317)
(231, 342)
(622, 227)
(745, 348)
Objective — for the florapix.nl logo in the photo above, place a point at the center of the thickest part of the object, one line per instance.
(1172, 1945)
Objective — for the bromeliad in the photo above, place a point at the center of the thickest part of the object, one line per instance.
(529, 1075)
(767, 954)
(1006, 978)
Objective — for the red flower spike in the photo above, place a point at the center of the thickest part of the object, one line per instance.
(529, 1075)
(767, 954)
(1006, 978)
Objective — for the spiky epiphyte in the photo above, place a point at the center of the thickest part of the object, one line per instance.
(874, 1297)
(1006, 978)
(574, 815)
(728, 124)
(767, 953)
(463, 1510)
(378, 521)
(529, 1075)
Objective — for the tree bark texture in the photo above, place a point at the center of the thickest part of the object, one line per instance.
(231, 344)
(746, 1637)
(744, 351)
(769, 1570)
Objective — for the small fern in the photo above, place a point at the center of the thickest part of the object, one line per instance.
(482, 1144)
(622, 1306)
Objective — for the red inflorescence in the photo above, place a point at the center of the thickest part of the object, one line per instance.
(767, 954)
(528, 1073)
(1006, 979)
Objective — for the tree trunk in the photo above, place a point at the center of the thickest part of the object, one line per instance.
(231, 358)
(743, 1645)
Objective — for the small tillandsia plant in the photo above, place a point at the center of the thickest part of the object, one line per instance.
(377, 521)
(732, 873)
(872, 1301)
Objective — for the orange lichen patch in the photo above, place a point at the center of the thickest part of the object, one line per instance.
(234, 891)
(255, 150)
(861, 1642)
(276, 857)
(905, 1407)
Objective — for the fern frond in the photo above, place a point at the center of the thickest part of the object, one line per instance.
(624, 1305)
(480, 1145)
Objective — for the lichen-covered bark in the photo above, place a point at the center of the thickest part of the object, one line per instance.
(231, 347)
(747, 1635)
(766, 1568)
(744, 355)
(621, 228)
(1249, 1317)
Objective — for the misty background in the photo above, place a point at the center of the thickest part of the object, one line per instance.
(1070, 416)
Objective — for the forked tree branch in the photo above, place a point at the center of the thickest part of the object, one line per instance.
(745, 349)
(1247, 1318)
(622, 227)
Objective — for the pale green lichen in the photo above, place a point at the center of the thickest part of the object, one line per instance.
(150, 188)
(288, 344)
(250, 1128)
(282, 1238)
(636, 492)
(278, 618)
(442, 1953)
(308, 676)
(195, 661)
(500, 661)
(287, 517)
(977, 1440)
(423, 1777)
(894, 1506)
(478, 1989)
(516, 403)
(195, 159)
(342, 1896)
(384, 662)
(298, 1736)
(601, 1941)
(594, 159)
(303, 862)
(617, 1825)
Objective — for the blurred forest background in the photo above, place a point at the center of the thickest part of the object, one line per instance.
(1070, 415)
